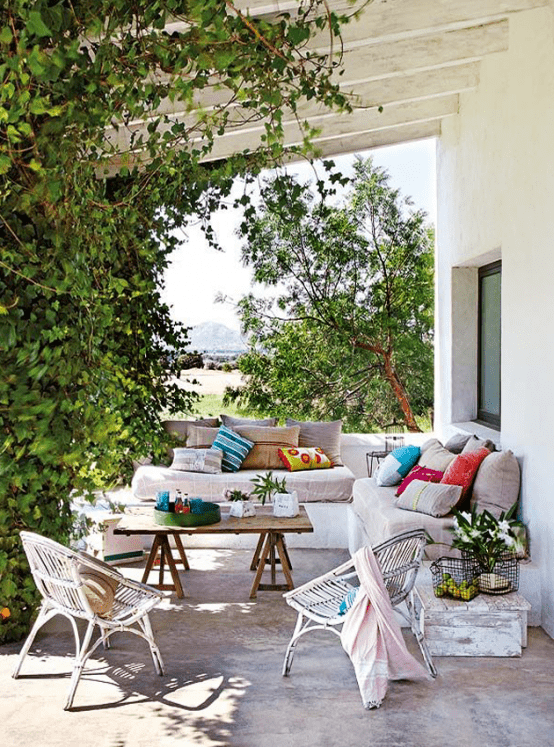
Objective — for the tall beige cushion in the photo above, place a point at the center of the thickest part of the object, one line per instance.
(201, 437)
(180, 429)
(325, 434)
(497, 483)
(435, 456)
(267, 441)
(232, 422)
(475, 443)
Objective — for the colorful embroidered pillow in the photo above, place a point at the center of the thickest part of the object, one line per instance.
(397, 465)
(197, 460)
(434, 499)
(463, 469)
(296, 459)
(419, 473)
(234, 447)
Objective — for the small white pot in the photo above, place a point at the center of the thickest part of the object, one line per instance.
(285, 504)
(242, 509)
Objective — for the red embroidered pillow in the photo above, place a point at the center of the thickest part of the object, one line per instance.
(419, 473)
(463, 469)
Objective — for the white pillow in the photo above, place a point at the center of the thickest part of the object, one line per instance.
(197, 460)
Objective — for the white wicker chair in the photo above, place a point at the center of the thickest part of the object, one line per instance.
(317, 602)
(61, 576)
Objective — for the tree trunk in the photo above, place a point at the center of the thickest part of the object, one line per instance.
(400, 394)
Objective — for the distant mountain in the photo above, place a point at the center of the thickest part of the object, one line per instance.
(211, 337)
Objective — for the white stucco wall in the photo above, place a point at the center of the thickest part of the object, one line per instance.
(495, 188)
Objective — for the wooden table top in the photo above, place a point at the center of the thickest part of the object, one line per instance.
(140, 520)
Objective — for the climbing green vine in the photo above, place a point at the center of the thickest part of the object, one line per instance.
(111, 115)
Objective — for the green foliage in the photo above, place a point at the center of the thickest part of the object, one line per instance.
(237, 495)
(349, 333)
(266, 485)
(90, 204)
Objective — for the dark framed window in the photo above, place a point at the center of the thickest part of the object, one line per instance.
(489, 358)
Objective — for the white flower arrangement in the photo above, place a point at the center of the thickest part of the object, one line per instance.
(487, 538)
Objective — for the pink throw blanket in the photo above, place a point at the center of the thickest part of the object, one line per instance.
(371, 635)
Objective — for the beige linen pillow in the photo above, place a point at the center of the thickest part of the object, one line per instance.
(99, 588)
(201, 437)
(435, 456)
(232, 422)
(434, 499)
(197, 460)
(323, 434)
(497, 483)
(456, 443)
(180, 429)
(267, 442)
(475, 443)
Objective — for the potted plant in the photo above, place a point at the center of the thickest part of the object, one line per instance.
(270, 488)
(241, 505)
(493, 544)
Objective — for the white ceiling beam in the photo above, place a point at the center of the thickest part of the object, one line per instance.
(387, 20)
(377, 138)
(419, 85)
(404, 57)
(339, 126)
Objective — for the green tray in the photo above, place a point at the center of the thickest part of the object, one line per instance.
(210, 515)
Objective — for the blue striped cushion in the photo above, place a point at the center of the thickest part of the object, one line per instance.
(235, 448)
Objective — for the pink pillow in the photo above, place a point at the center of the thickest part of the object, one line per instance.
(419, 473)
(463, 469)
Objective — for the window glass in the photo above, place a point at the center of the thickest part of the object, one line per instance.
(489, 343)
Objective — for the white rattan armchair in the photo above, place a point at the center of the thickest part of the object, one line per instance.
(317, 602)
(63, 578)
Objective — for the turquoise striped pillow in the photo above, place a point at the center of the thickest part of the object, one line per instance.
(235, 448)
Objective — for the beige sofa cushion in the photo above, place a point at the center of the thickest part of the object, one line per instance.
(497, 483)
(475, 443)
(180, 429)
(201, 437)
(324, 434)
(267, 442)
(380, 518)
(232, 422)
(435, 499)
(435, 456)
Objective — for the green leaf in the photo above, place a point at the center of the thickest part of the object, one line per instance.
(36, 26)
(6, 35)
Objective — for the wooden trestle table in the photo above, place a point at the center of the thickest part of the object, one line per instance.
(271, 547)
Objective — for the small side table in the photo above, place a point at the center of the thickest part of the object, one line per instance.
(488, 625)
(372, 456)
(391, 442)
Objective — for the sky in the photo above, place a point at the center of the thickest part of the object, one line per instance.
(198, 273)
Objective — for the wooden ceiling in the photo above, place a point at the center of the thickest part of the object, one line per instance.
(406, 62)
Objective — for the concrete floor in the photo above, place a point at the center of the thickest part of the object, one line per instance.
(223, 685)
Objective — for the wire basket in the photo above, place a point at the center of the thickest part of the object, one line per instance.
(502, 580)
(456, 578)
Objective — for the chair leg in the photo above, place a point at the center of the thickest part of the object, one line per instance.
(80, 660)
(291, 648)
(154, 650)
(415, 607)
(43, 616)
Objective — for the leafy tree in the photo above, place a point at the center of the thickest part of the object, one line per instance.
(90, 201)
(349, 332)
